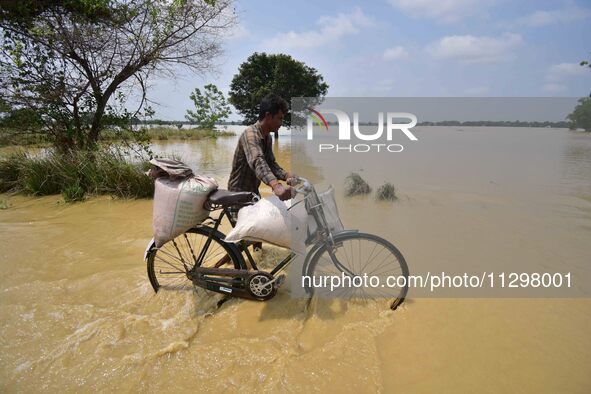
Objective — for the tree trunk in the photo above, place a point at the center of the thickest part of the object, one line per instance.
(96, 123)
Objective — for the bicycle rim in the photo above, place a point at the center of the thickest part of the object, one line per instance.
(168, 265)
(359, 270)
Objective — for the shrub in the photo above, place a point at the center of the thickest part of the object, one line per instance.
(386, 192)
(355, 185)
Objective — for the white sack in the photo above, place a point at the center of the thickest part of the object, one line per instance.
(178, 205)
(269, 221)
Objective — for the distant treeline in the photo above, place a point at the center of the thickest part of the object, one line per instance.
(498, 123)
(488, 123)
(177, 123)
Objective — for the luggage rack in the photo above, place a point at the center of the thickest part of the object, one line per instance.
(221, 198)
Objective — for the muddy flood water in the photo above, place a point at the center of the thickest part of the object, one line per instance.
(78, 314)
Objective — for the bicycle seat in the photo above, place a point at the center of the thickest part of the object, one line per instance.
(226, 197)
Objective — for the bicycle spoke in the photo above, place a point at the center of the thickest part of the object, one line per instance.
(168, 265)
(361, 254)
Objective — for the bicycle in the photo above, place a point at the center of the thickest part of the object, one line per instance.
(193, 258)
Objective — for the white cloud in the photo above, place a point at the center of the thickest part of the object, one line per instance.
(442, 10)
(554, 88)
(562, 71)
(238, 32)
(395, 53)
(545, 18)
(331, 29)
(476, 49)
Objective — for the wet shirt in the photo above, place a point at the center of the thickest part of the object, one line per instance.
(254, 162)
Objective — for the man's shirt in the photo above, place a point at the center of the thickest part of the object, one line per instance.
(254, 162)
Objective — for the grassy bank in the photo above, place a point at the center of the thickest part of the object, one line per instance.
(11, 137)
(166, 133)
(75, 176)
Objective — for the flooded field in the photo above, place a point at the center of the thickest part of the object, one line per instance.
(78, 314)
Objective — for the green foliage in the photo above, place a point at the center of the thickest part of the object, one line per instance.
(262, 74)
(21, 119)
(70, 61)
(73, 193)
(580, 118)
(10, 171)
(585, 63)
(24, 11)
(75, 175)
(210, 107)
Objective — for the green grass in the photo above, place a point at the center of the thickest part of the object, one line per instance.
(169, 133)
(10, 137)
(16, 138)
(75, 176)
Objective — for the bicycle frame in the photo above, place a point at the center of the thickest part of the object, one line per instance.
(322, 235)
(243, 247)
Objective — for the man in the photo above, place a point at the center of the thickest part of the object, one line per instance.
(254, 161)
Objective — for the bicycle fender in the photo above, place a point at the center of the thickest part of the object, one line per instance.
(150, 245)
(317, 246)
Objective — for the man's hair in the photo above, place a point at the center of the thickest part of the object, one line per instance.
(272, 103)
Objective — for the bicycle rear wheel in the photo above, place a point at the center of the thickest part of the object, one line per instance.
(169, 265)
(367, 267)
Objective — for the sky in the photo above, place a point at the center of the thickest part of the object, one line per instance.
(408, 48)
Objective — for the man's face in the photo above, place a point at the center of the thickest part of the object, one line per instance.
(275, 121)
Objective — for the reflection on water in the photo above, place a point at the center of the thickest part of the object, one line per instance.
(77, 312)
(577, 164)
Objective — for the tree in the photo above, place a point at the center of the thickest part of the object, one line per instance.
(262, 74)
(69, 60)
(210, 107)
(586, 63)
(580, 118)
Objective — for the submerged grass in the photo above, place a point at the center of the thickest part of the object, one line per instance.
(355, 185)
(386, 192)
(75, 176)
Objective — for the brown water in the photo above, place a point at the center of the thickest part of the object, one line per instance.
(78, 314)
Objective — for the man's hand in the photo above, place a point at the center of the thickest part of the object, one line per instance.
(284, 193)
(292, 180)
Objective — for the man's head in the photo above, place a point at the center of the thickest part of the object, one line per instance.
(271, 112)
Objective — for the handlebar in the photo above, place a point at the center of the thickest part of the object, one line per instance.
(303, 186)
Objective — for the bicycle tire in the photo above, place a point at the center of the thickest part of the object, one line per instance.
(165, 264)
(322, 265)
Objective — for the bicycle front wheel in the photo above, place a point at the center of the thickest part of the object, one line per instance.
(169, 265)
(360, 266)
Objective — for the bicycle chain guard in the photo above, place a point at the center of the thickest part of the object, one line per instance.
(252, 285)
